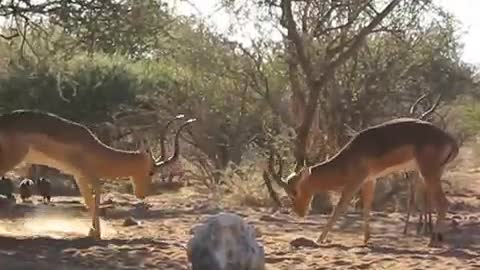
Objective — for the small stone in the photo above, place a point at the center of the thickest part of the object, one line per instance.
(270, 218)
(130, 221)
(303, 242)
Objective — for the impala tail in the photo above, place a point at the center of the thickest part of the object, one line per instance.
(452, 154)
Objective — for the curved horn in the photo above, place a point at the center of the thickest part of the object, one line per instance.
(176, 150)
(164, 133)
(415, 104)
(432, 109)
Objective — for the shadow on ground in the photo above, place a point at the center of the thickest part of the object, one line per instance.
(84, 253)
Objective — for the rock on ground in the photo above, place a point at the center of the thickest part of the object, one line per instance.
(225, 241)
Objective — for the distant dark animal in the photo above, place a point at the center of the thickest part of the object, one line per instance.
(44, 189)
(6, 187)
(25, 189)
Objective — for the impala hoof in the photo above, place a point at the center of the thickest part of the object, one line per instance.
(366, 237)
(323, 240)
(94, 234)
(365, 242)
(436, 240)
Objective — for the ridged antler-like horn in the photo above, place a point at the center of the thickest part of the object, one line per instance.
(176, 150)
(163, 134)
(428, 112)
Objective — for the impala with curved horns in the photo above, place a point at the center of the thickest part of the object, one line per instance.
(417, 194)
(47, 139)
(401, 144)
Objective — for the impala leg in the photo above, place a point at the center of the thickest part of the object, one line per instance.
(420, 202)
(368, 192)
(421, 222)
(410, 201)
(347, 194)
(83, 184)
(428, 216)
(427, 227)
(438, 199)
(430, 222)
(87, 194)
(422, 219)
(96, 212)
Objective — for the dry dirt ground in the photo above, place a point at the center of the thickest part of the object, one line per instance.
(36, 236)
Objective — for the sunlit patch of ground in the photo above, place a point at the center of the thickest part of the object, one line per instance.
(48, 220)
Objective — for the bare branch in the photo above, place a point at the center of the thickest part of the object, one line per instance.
(9, 37)
(316, 85)
(276, 175)
(261, 82)
(271, 191)
(358, 40)
(347, 24)
(288, 22)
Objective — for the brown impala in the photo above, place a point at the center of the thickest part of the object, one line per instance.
(402, 144)
(47, 139)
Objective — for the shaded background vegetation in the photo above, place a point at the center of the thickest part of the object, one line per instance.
(338, 66)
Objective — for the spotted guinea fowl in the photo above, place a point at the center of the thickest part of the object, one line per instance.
(44, 189)
(25, 189)
(6, 187)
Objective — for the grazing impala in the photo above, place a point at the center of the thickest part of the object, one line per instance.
(402, 144)
(47, 139)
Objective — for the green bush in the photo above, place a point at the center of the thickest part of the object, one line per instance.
(82, 88)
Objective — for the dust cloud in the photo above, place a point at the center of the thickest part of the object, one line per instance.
(41, 222)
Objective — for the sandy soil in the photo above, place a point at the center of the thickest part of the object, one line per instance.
(53, 237)
(41, 237)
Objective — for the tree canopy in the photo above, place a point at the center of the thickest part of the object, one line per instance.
(335, 66)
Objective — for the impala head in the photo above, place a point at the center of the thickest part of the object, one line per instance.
(294, 186)
(296, 191)
(142, 187)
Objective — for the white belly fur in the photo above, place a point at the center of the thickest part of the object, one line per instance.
(36, 157)
(407, 166)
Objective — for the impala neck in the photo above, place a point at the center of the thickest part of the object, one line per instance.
(125, 163)
(328, 175)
